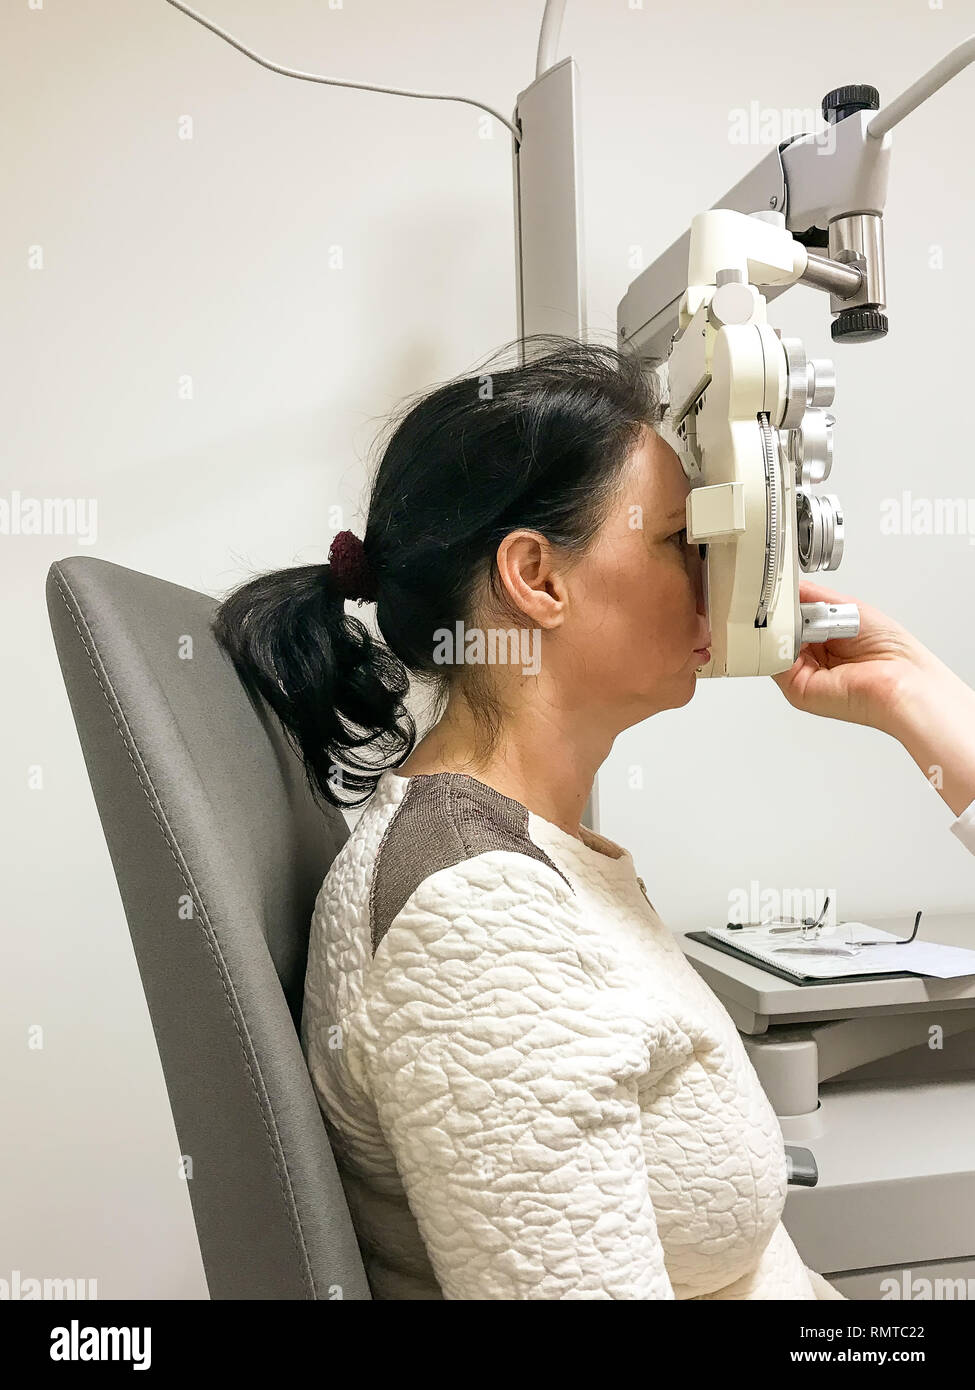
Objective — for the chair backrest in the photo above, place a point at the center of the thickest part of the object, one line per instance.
(219, 850)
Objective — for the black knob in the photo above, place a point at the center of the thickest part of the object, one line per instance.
(844, 101)
(858, 326)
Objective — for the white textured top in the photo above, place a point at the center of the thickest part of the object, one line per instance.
(530, 1092)
(964, 827)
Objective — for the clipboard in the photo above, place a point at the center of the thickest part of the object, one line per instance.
(728, 949)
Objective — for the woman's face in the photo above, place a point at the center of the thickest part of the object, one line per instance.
(635, 625)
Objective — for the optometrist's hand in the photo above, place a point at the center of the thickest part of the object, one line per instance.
(887, 679)
(863, 679)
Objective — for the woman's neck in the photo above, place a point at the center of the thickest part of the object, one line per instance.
(536, 761)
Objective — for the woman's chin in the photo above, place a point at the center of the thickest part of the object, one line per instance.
(689, 684)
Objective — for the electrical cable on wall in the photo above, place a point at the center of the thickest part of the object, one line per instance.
(337, 81)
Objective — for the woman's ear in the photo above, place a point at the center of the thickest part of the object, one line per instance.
(528, 574)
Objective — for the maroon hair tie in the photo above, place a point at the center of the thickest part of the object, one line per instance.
(350, 568)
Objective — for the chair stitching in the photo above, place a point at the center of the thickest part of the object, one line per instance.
(231, 997)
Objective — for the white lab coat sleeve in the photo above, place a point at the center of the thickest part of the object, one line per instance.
(502, 1054)
(964, 827)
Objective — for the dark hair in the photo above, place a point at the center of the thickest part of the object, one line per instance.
(541, 445)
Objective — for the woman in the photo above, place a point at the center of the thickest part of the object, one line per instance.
(530, 1092)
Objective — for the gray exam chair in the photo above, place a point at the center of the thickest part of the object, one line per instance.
(219, 851)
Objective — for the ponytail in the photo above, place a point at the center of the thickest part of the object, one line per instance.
(335, 688)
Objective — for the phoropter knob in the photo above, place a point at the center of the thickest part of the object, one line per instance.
(821, 381)
(821, 621)
(844, 101)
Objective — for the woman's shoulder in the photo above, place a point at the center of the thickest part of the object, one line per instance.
(449, 834)
(458, 911)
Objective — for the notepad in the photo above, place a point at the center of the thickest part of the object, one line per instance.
(812, 960)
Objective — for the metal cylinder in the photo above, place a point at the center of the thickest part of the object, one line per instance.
(821, 383)
(820, 532)
(843, 281)
(860, 237)
(821, 621)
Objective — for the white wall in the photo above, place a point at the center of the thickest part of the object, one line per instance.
(209, 258)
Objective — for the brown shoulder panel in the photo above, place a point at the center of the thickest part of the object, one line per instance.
(443, 819)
